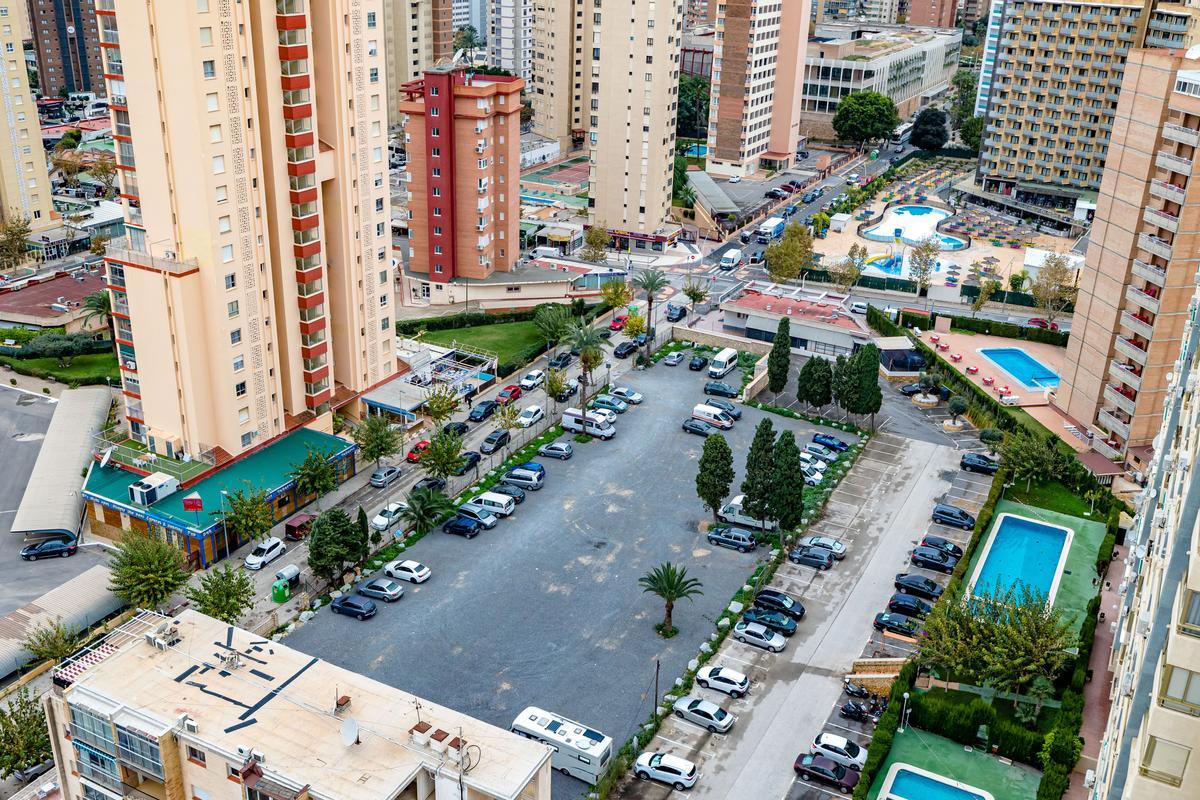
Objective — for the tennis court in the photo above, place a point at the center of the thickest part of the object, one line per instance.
(566, 178)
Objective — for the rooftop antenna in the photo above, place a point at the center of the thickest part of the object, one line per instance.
(350, 732)
(417, 705)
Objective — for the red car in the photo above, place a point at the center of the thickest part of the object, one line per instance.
(414, 455)
(1038, 322)
(508, 394)
(618, 323)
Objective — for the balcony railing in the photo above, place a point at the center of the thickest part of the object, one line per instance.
(1167, 191)
(1162, 219)
(1127, 348)
(1155, 245)
(1113, 423)
(1174, 163)
(1125, 375)
(1178, 133)
(1103, 448)
(1114, 396)
(1142, 299)
(1149, 272)
(1139, 326)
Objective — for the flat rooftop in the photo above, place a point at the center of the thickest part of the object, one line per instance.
(820, 308)
(242, 690)
(37, 299)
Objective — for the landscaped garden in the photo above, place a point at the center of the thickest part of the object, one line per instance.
(929, 753)
(506, 339)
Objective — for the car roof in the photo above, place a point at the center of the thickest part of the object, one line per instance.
(681, 764)
(833, 739)
(728, 673)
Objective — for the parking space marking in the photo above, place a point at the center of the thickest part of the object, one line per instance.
(809, 785)
(855, 731)
(688, 748)
(726, 654)
(700, 729)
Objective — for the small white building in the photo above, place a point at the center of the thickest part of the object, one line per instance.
(1035, 257)
(820, 322)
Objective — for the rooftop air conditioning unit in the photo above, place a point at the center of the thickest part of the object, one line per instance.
(191, 726)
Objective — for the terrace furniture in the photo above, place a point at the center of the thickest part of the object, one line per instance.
(971, 370)
(933, 337)
(943, 346)
(956, 357)
(989, 380)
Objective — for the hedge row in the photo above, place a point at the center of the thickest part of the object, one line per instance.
(936, 713)
(23, 336)
(989, 326)
(1023, 299)
(866, 281)
(465, 320)
(885, 730)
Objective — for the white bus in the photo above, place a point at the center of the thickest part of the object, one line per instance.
(579, 751)
(723, 363)
(902, 132)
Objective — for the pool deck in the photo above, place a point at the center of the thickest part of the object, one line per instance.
(947, 758)
(968, 346)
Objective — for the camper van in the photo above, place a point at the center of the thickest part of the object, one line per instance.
(575, 421)
(723, 363)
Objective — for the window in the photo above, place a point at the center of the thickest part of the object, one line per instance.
(214, 133)
(232, 308)
(192, 753)
(1181, 690)
(223, 225)
(383, 276)
(222, 193)
(226, 257)
(384, 324)
(210, 68)
(1165, 761)
(243, 418)
(370, 19)
(435, 131)
(239, 389)
(235, 336)
(1189, 619)
(239, 363)
(230, 280)
(383, 301)
(247, 440)
(211, 99)
(202, 6)
(206, 37)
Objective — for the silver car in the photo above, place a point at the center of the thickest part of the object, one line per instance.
(838, 548)
(759, 636)
(382, 589)
(704, 713)
(673, 359)
(628, 395)
(559, 450)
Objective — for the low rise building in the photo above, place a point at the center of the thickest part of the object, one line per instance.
(53, 301)
(820, 322)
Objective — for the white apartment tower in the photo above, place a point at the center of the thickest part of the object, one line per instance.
(510, 35)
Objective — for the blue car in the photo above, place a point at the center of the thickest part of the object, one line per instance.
(354, 605)
(532, 466)
(832, 442)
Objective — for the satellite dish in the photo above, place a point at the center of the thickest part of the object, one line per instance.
(350, 732)
(1193, 52)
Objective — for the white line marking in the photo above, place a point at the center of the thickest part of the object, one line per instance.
(689, 748)
(735, 658)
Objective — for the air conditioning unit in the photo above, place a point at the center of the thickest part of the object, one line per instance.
(244, 752)
(152, 488)
(191, 726)
(169, 255)
(479, 148)
(130, 364)
(258, 756)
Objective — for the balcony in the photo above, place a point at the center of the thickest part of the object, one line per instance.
(1113, 395)
(1127, 348)
(1167, 191)
(1174, 163)
(1149, 272)
(1123, 374)
(1178, 133)
(1163, 219)
(1141, 327)
(1155, 245)
(1111, 453)
(1112, 423)
(1142, 299)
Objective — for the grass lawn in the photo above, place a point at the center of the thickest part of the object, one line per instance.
(98, 365)
(1053, 495)
(506, 339)
(1004, 708)
(944, 757)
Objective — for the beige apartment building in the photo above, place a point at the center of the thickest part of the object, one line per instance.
(462, 132)
(1136, 286)
(24, 180)
(932, 13)
(890, 12)
(417, 35)
(754, 111)
(190, 708)
(253, 290)
(1150, 744)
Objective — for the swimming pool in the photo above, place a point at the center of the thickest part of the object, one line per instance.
(1021, 550)
(697, 151)
(906, 782)
(914, 224)
(1024, 368)
(533, 200)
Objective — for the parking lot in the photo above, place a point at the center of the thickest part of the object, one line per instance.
(545, 609)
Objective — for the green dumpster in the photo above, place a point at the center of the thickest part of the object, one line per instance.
(280, 591)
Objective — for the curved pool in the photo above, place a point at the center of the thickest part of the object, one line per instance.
(913, 224)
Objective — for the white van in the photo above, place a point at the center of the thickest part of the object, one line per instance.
(732, 259)
(723, 363)
(575, 421)
(96, 109)
(732, 512)
(500, 505)
(713, 416)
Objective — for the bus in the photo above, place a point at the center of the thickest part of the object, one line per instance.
(902, 132)
(579, 751)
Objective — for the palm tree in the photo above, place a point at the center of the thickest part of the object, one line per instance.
(651, 282)
(590, 345)
(98, 304)
(425, 508)
(672, 584)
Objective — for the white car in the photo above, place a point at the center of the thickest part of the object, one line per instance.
(723, 679)
(673, 359)
(704, 713)
(736, 179)
(265, 552)
(533, 379)
(809, 460)
(812, 477)
(841, 750)
(388, 516)
(628, 395)
(759, 636)
(603, 413)
(672, 770)
(530, 416)
(835, 546)
(411, 571)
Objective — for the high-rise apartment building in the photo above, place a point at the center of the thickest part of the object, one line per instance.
(1138, 279)
(67, 44)
(24, 181)
(754, 113)
(417, 35)
(190, 708)
(700, 12)
(254, 287)
(991, 48)
(510, 35)
(932, 13)
(886, 11)
(462, 132)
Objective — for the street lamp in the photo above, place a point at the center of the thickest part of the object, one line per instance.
(608, 374)
(903, 714)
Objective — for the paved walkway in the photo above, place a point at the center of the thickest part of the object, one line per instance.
(1096, 700)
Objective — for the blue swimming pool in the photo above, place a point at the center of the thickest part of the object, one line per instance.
(697, 151)
(1021, 550)
(1024, 368)
(534, 200)
(913, 224)
(905, 782)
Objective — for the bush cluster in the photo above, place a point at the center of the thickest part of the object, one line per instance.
(934, 712)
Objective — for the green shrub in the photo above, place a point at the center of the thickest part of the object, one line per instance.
(1061, 746)
(940, 714)
(1016, 741)
(1054, 783)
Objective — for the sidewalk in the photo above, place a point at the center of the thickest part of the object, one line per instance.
(1096, 700)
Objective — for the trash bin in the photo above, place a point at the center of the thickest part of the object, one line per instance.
(289, 575)
(281, 592)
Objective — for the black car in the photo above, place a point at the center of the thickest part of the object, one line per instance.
(932, 558)
(354, 605)
(945, 545)
(569, 389)
(918, 585)
(560, 361)
(896, 623)
(953, 516)
(455, 428)
(494, 441)
(641, 339)
(908, 605)
(720, 389)
(775, 600)
(467, 461)
(817, 557)
(482, 411)
(909, 389)
(697, 363)
(729, 408)
(462, 526)
(625, 349)
(771, 620)
(698, 427)
(50, 548)
(437, 484)
(515, 492)
(676, 313)
(802, 154)
(974, 462)
(744, 237)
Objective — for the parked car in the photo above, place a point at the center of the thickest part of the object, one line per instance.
(909, 389)
(483, 410)
(1038, 322)
(773, 620)
(738, 539)
(675, 313)
(832, 442)
(480, 514)
(666, 768)
(382, 589)
(974, 462)
(388, 516)
(931, 558)
(941, 543)
(826, 454)
(524, 478)
(618, 322)
(896, 623)
(918, 585)
(812, 767)
(840, 749)
(953, 516)
(627, 395)
(532, 380)
(414, 453)
(530, 416)
(51, 548)
(455, 429)
(775, 600)
(835, 546)
(698, 363)
(265, 552)
(560, 361)
(698, 427)
(720, 389)
(407, 570)
(508, 394)
(673, 359)
(723, 679)
(611, 403)
(756, 257)
(817, 557)
(385, 476)
(908, 605)
(559, 450)
(515, 492)
(494, 441)
(704, 713)
(570, 387)
(436, 484)
(732, 409)
(758, 635)
(467, 460)
(625, 349)
(462, 526)
(353, 605)
(534, 467)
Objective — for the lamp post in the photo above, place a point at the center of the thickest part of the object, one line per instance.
(608, 374)
(225, 523)
(903, 714)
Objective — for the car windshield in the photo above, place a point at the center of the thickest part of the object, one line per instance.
(259, 551)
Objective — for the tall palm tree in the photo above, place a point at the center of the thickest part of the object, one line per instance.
(651, 281)
(672, 584)
(425, 508)
(98, 304)
(590, 345)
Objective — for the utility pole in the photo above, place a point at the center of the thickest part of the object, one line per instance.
(657, 665)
